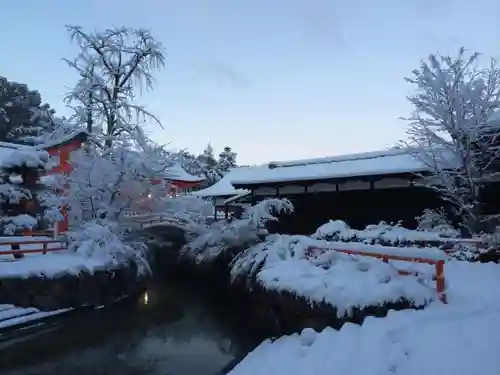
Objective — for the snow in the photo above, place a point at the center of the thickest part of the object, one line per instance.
(286, 263)
(62, 138)
(459, 338)
(5, 243)
(346, 284)
(29, 156)
(11, 315)
(50, 265)
(381, 232)
(177, 173)
(391, 161)
(224, 187)
(236, 197)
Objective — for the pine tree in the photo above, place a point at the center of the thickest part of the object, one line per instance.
(227, 159)
(23, 117)
(207, 158)
(209, 165)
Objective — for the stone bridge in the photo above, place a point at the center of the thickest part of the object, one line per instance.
(161, 229)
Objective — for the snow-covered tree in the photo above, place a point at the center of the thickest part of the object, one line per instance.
(23, 116)
(238, 234)
(453, 128)
(105, 184)
(209, 165)
(114, 66)
(227, 159)
(20, 208)
(207, 158)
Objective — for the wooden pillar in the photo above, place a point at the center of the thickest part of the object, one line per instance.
(440, 281)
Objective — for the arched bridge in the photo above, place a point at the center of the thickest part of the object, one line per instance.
(162, 228)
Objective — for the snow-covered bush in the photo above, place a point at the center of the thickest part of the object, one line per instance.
(105, 241)
(237, 235)
(436, 221)
(382, 233)
(287, 263)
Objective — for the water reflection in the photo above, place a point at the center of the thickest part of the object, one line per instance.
(167, 333)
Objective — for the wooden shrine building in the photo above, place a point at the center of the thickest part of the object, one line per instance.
(360, 189)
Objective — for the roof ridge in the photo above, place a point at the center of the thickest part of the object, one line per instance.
(339, 158)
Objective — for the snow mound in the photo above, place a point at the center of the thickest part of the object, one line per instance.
(460, 338)
(104, 242)
(285, 263)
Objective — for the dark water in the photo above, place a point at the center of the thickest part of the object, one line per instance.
(169, 331)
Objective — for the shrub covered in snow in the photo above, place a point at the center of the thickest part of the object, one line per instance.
(103, 240)
(436, 221)
(237, 235)
(284, 263)
(382, 233)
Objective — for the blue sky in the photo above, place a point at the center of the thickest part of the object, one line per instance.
(274, 79)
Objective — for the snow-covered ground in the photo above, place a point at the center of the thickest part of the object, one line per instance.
(462, 337)
(11, 316)
(49, 265)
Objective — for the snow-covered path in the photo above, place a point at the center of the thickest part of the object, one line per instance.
(462, 337)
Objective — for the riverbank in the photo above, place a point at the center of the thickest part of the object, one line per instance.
(63, 280)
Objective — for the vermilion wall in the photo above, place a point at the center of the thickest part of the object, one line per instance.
(64, 154)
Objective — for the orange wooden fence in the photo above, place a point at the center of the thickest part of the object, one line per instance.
(43, 247)
(437, 263)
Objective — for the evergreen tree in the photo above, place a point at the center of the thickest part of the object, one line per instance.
(209, 166)
(207, 158)
(23, 117)
(19, 206)
(227, 159)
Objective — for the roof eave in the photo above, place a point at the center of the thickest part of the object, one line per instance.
(374, 177)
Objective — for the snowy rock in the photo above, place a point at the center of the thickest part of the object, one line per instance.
(308, 336)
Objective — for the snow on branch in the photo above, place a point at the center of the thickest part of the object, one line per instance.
(453, 128)
(238, 234)
(25, 157)
(114, 66)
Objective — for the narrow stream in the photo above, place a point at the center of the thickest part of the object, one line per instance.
(169, 331)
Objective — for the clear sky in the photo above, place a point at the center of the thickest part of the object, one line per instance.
(274, 79)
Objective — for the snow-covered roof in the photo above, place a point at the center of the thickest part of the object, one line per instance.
(224, 187)
(390, 161)
(176, 172)
(63, 138)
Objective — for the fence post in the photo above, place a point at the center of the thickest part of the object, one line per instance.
(44, 248)
(440, 281)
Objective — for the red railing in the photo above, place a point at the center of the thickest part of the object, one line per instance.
(437, 263)
(16, 250)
